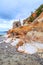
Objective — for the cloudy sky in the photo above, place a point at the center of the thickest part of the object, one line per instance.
(11, 10)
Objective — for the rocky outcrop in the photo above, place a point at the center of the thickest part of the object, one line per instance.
(21, 31)
(30, 34)
(16, 24)
(35, 36)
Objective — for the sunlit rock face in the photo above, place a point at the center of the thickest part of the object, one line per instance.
(36, 25)
(20, 43)
(23, 30)
(35, 36)
(27, 48)
(31, 48)
(29, 38)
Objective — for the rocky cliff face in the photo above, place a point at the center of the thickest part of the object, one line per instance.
(36, 25)
(30, 35)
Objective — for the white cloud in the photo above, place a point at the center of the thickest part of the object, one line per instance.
(5, 24)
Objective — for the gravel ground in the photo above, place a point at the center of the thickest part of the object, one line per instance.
(9, 56)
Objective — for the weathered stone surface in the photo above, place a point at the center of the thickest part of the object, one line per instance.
(16, 24)
(35, 36)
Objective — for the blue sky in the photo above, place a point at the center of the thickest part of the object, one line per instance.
(11, 10)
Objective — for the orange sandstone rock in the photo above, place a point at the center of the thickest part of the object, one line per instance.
(19, 44)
